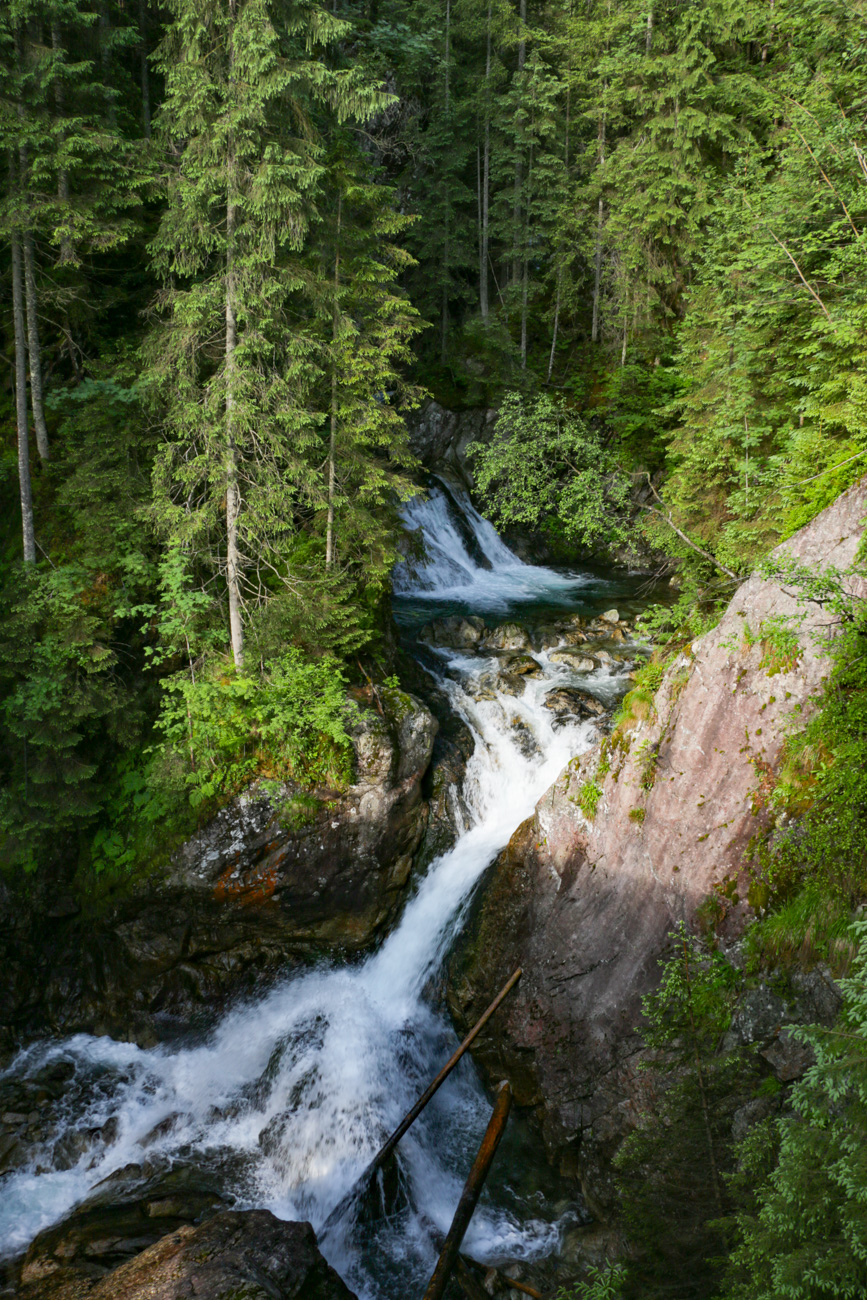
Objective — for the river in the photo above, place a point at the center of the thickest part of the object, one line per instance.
(290, 1095)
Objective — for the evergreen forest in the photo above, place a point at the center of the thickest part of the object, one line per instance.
(241, 243)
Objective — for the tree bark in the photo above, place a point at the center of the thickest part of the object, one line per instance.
(143, 66)
(233, 492)
(519, 161)
(332, 442)
(560, 267)
(556, 327)
(444, 308)
(28, 533)
(600, 221)
(524, 272)
(33, 348)
(62, 175)
(486, 182)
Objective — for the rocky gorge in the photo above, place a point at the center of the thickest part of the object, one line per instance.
(291, 926)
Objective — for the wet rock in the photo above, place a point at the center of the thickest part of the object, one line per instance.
(13, 1153)
(577, 660)
(276, 876)
(569, 704)
(521, 666)
(246, 1253)
(440, 437)
(508, 636)
(585, 905)
(458, 632)
(508, 684)
(69, 1149)
(610, 616)
(524, 738)
(127, 1213)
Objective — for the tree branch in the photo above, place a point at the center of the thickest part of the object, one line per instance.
(681, 534)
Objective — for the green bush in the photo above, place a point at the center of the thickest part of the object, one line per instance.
(288, 723)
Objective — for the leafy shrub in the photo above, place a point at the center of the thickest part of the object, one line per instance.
(289, 724)
(545, 465)
(803, 1176)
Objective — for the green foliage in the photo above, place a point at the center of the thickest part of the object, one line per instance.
(544, 465)
(671, 1167)
(803, 1233)
(221, 729)
(814, 864)
(64, 713)
(604, 1283)
(588, 798)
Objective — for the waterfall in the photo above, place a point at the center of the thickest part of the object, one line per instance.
(466, 560)
(291, 1094)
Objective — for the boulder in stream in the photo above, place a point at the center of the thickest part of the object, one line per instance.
(233, 1254)
(507, 636)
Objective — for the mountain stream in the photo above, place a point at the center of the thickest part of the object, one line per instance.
(290, 1095)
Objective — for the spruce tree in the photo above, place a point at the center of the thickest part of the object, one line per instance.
(246, 84)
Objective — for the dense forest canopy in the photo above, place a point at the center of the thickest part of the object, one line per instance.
(243, 239)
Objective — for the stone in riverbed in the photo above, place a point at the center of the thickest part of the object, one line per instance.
(610, 616)
(508, 636)
(521, 666)
(458, 632)
(576, 659)
(568, 703)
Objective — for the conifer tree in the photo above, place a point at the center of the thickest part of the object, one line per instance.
(245, 83)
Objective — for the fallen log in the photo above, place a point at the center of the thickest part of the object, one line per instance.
(361, 1185)
(470, 1195)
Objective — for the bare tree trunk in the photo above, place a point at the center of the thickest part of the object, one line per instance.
(332, 443)
(444, 323)
(600, 222)
(105, 60)
(28, 533)
(486, 182)
(143, 66)
(560, 268)
(519, 162)
(33, 348)
(524, 271)
(233, 491)
(648, 34)
(597, 273)
(62, 175)
(556, 327)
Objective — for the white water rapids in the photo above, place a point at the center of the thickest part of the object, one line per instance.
(290, 1095)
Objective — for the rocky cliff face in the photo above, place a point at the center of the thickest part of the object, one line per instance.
(276, 876)
(440, 437)
(585, 904)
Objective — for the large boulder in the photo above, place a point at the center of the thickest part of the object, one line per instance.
(633, 837)
(279, 875)
(232, 1254)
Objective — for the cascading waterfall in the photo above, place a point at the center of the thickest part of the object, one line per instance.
(291, 1095)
